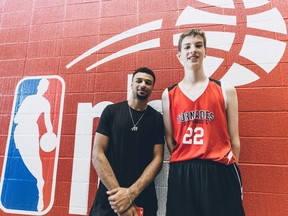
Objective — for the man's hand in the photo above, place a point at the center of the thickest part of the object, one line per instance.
(131, 211)
(120, 200)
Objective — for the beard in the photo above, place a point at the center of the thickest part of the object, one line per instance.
(142, 97)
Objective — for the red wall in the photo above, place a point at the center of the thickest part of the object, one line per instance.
(40, 37)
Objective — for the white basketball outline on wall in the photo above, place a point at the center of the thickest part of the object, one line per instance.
(253, 48)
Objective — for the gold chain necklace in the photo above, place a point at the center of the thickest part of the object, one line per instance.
(135, 128)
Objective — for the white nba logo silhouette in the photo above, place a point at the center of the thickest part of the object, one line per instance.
(26, 133)
(37, 110)
(254, 47)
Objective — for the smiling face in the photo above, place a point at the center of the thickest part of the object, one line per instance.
(192, 52)
(142, 85)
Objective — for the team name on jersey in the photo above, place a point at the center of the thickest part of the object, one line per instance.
(197, 115)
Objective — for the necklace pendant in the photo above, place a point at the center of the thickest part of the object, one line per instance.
(134, 128)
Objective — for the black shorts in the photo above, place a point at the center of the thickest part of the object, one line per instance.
(147, 199)
(99, 210)
(204, 188)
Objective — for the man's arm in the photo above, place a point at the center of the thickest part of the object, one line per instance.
(101, 163)
(167, 121)
(232, 116)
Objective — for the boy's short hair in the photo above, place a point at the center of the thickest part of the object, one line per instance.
(191, 32)
(145, 70)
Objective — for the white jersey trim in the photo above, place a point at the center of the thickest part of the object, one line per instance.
(196, 95)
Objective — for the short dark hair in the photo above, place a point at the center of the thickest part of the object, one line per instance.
(145, 70)
(192, 32)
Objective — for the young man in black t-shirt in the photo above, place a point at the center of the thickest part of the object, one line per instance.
(128, 152)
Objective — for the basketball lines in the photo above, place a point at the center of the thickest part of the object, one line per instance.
(254, 47)
(132, 32)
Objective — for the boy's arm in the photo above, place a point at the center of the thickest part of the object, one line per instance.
(167, 121)
(232, 118)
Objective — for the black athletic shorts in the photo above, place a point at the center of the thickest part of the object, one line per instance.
(99, 210)
(204, 188)
(147, 200)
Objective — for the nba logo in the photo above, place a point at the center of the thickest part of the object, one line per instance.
(30, 165)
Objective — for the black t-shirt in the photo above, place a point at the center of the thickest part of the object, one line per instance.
(129, 152)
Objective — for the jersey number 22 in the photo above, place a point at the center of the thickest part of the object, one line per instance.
(194, 136)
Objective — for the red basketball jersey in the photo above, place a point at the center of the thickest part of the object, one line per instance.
(200, 125)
